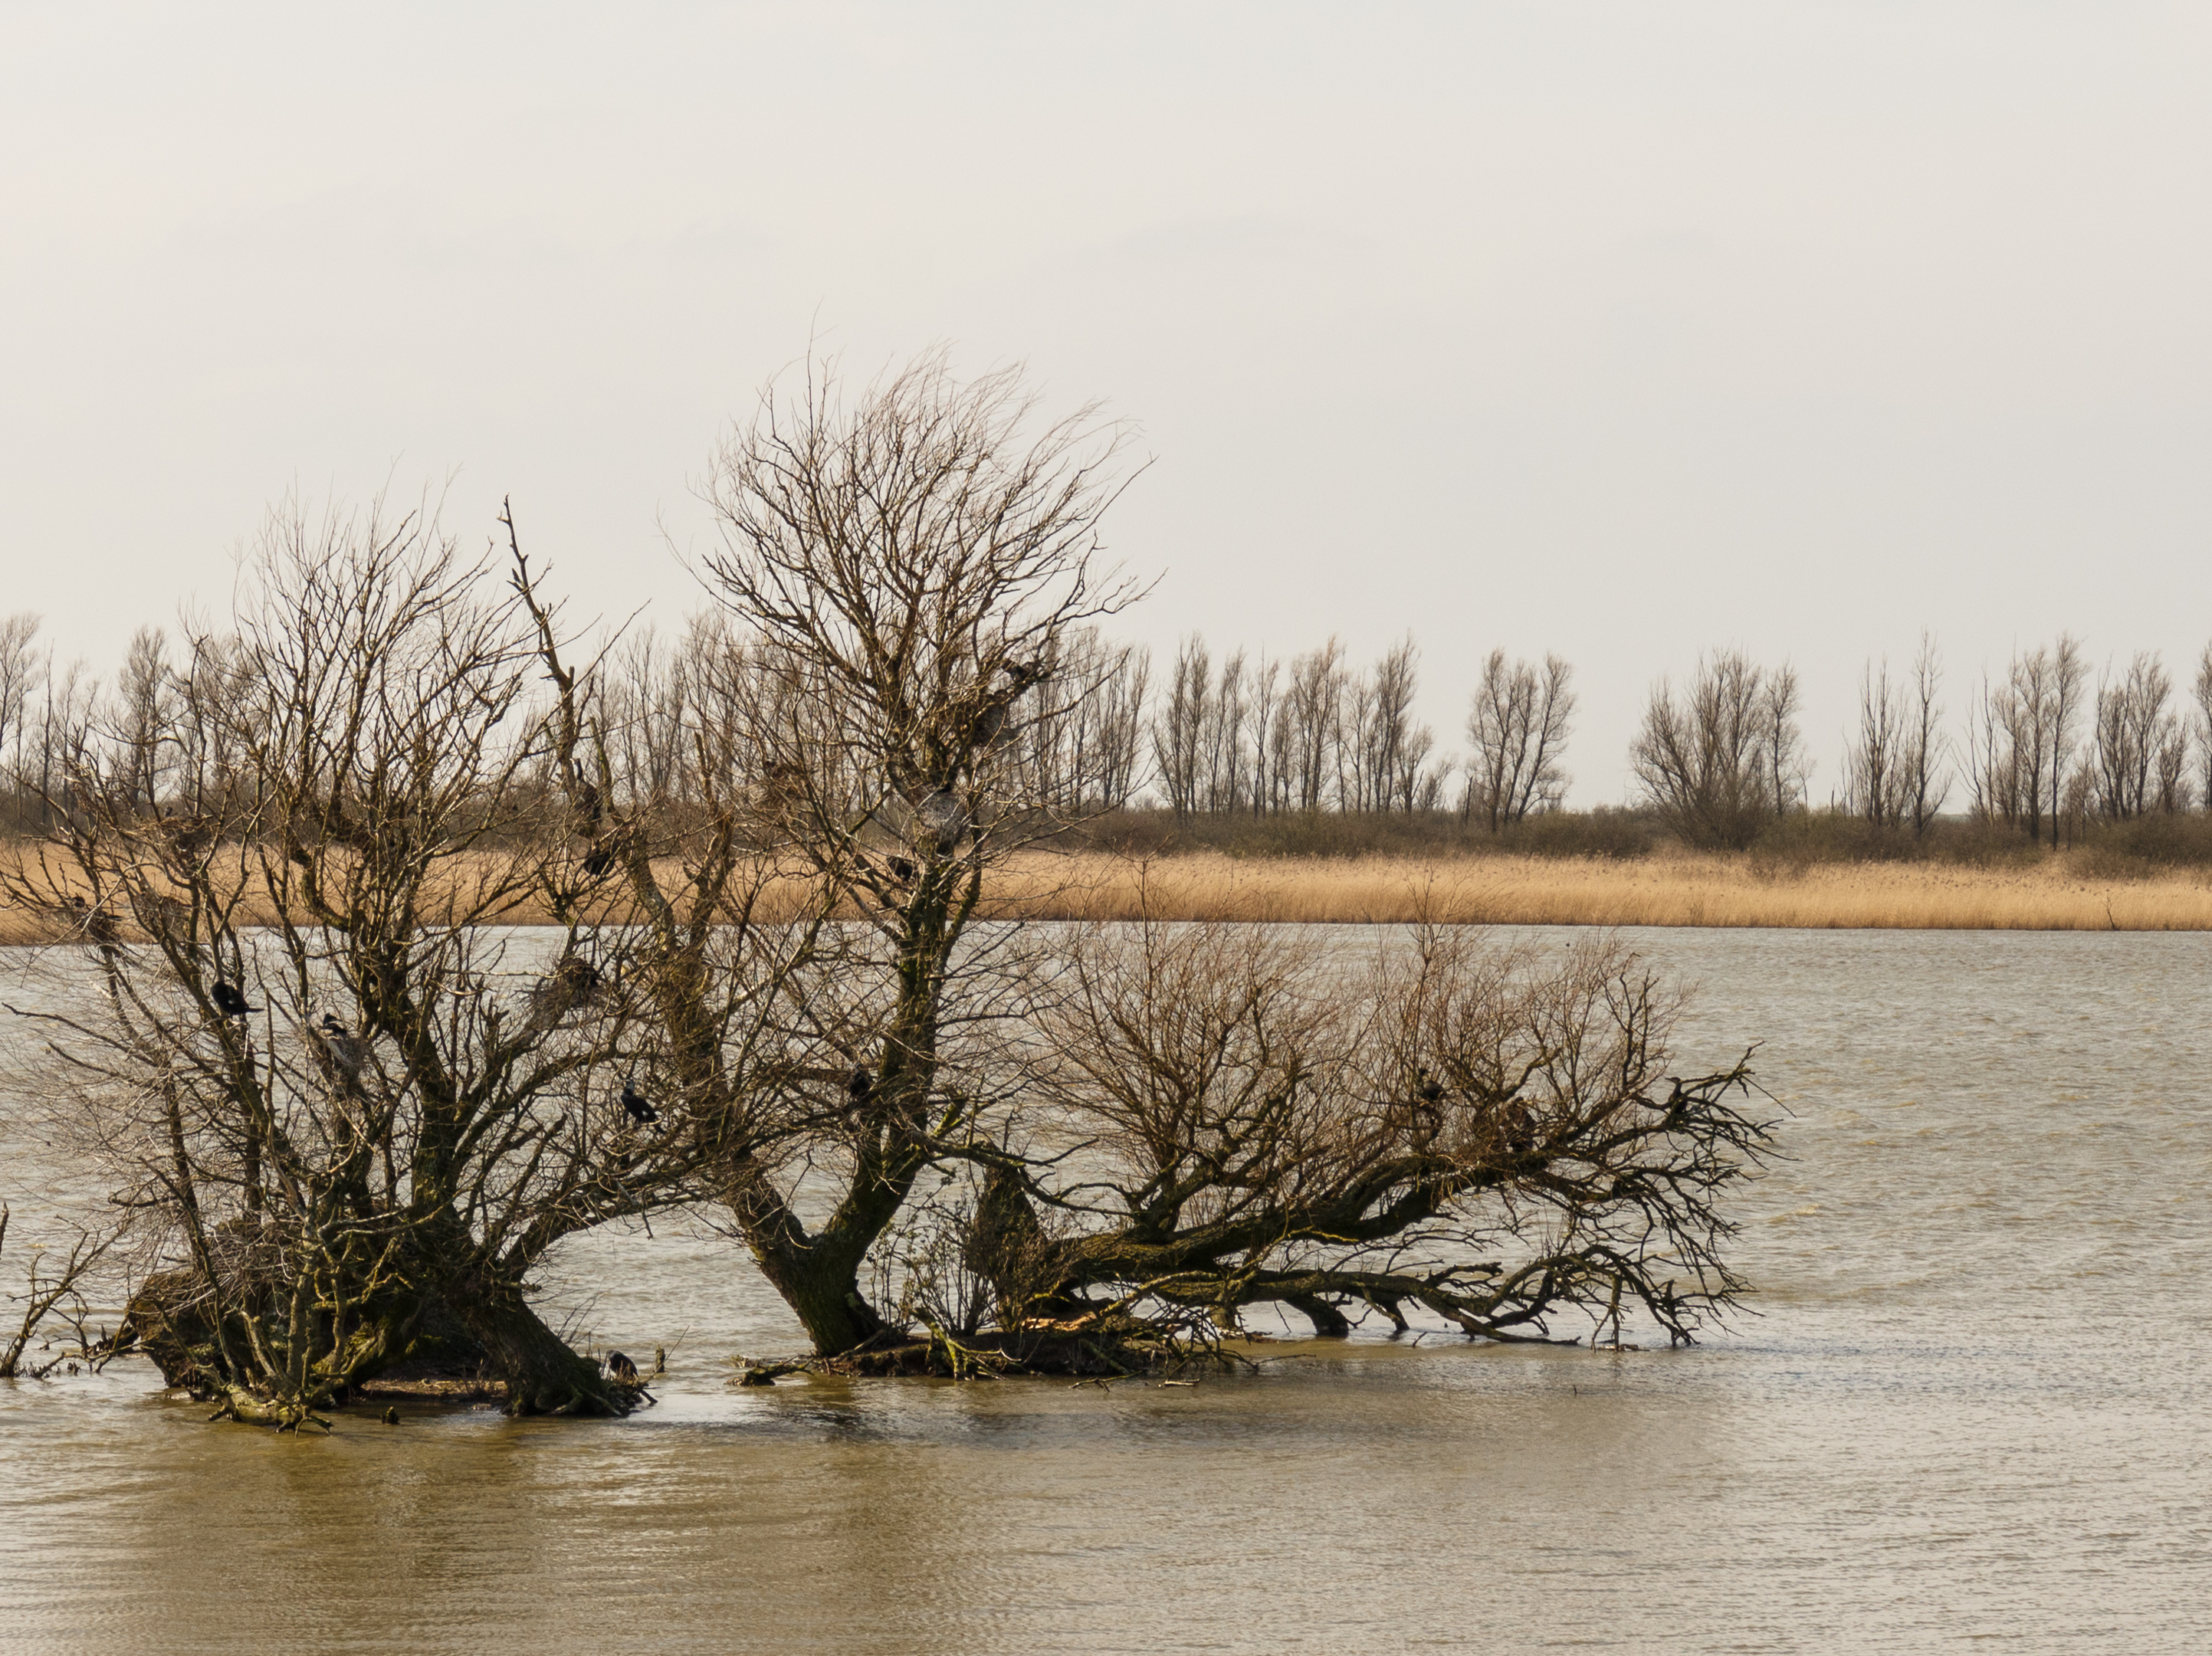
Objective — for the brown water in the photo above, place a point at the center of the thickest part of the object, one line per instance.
(1972, 1414)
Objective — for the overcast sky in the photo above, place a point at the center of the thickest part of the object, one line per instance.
(1622, 331)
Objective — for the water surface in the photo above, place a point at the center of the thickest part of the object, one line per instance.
(1971, 1414)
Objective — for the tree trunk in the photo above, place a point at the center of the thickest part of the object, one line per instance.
(544, 1374)
(822, 1290)
(1329, 1323)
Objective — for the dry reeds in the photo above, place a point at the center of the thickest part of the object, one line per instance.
(2065, 893)
(1687, 890)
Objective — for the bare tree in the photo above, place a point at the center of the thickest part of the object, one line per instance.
(1313, 715)
(2022, 737)
(1724, 758)
(2202, 735)
(51, 1290)
(905, 561)
(2138, 745)
(1265, 723)
(1877, 783)
(1179, 738)
(1518, 726)
(1235, 1119)
(1392, 748)
(1091, 759)
(144, 706)
(353, 1110)
(1927, 779)
(19, 669)
(1787, 763)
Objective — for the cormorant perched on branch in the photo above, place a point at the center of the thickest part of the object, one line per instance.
(95, 925)
(599, 862)
(576, 982)
(638, 1108)
(229, 999)
(1520, 1128)
(1427, 1108)
(991, 720)
(860, 1084)
(621, 1368)
(587, 797)
(904, 871)
(346, 1049)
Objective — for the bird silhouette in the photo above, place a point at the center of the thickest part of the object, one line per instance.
(599, 862)
(997, 704)
(96, 926)
(346, 1049)
(229, 999)
(860, 1084)
(587, 797)
(621, 1368)
(1520, 1128)
(638, 1108)
(574, 983)
(904, 871)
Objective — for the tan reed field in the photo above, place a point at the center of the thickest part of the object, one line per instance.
(1687, 890)
(1683, 890)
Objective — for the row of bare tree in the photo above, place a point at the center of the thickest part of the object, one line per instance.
(2046, 752)
(2043, 749)
(346, 1107)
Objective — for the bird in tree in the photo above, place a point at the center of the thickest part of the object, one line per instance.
(997, 703)
(94, 923)
(599, 862)
(588, 799)
(621, 1368)
(347, 1050)
(229, 999)
(637, 1107)
(1519, 1129)
(860, 1085)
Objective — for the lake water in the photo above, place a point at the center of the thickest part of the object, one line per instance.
(1972, 1414)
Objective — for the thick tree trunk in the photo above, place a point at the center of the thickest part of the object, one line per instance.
(1329, 1323)
(822, 1290)
(544, 1376)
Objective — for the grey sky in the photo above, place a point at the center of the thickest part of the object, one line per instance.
(1618, 330)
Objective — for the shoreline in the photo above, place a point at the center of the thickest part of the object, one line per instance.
(1684, 890)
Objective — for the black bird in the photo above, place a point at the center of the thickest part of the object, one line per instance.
(587, 797)
(1520, 1128)
(599, 862)
(621, 1368)
(903, 871)
(860, 1083)
(638, 1109)
(1432, 1093)
(229, 999)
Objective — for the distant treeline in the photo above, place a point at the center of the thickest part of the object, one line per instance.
(1314, 753)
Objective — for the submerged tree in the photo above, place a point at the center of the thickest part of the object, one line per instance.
(351, 1107)
(349, 1112)
(1219, 1117)
(912, 569)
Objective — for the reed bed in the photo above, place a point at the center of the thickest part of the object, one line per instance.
(1679, 891)
(1685, 890)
